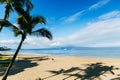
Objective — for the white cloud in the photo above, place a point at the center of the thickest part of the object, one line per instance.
(99, 4)
(10, 41)
(56, 43)
(36, 42)
(30, 42)
(101, 33)
(109, 15)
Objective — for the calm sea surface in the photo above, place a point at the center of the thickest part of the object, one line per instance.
(100, 53)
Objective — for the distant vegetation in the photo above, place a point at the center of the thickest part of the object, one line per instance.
(4, 48)
(4, 61)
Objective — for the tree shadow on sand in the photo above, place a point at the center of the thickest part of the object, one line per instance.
(23, 63)
(91, 72)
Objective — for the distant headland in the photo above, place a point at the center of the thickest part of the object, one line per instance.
(4, 48)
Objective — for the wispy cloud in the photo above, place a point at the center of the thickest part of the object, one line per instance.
(98, 4)
(73, 17)
(76, 15)
(109, 15)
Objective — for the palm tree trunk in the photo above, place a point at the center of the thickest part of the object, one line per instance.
(13, 60)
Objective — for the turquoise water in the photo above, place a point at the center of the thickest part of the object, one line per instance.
(100, 53)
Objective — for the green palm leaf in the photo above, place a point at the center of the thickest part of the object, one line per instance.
(6, 23)
(2, 1)
(17, 32)
(19, 4)
(42, 32)
(33, 21)
(29, 5)
(38, 19)
(8, 10)
(16, 5)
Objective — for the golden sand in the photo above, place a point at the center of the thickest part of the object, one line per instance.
(32, 67)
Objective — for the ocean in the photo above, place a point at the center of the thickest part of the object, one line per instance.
(81, 52)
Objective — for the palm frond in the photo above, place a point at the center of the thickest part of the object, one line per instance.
(23, 21)
(26, 3)
(29, 5)
(17, 32)
(8, 10)
(22, 18)
(8, 7)
(42, 32)
(6, 23)
(20, 5)
(38, 19)
(2, 1)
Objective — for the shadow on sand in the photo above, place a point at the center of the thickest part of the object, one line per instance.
(90, 72)
(22, 64)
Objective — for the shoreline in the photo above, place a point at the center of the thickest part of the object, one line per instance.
(36, 54)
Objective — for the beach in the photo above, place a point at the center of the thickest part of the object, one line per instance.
(59, 40)
(33, 67)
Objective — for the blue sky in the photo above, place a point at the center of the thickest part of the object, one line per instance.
(87, 23)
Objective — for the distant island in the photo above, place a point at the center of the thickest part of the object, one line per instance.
(4, 48)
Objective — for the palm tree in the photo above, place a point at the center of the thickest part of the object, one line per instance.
(16, 5)
(26, 24)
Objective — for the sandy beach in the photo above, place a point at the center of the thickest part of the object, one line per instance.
(32, 67)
